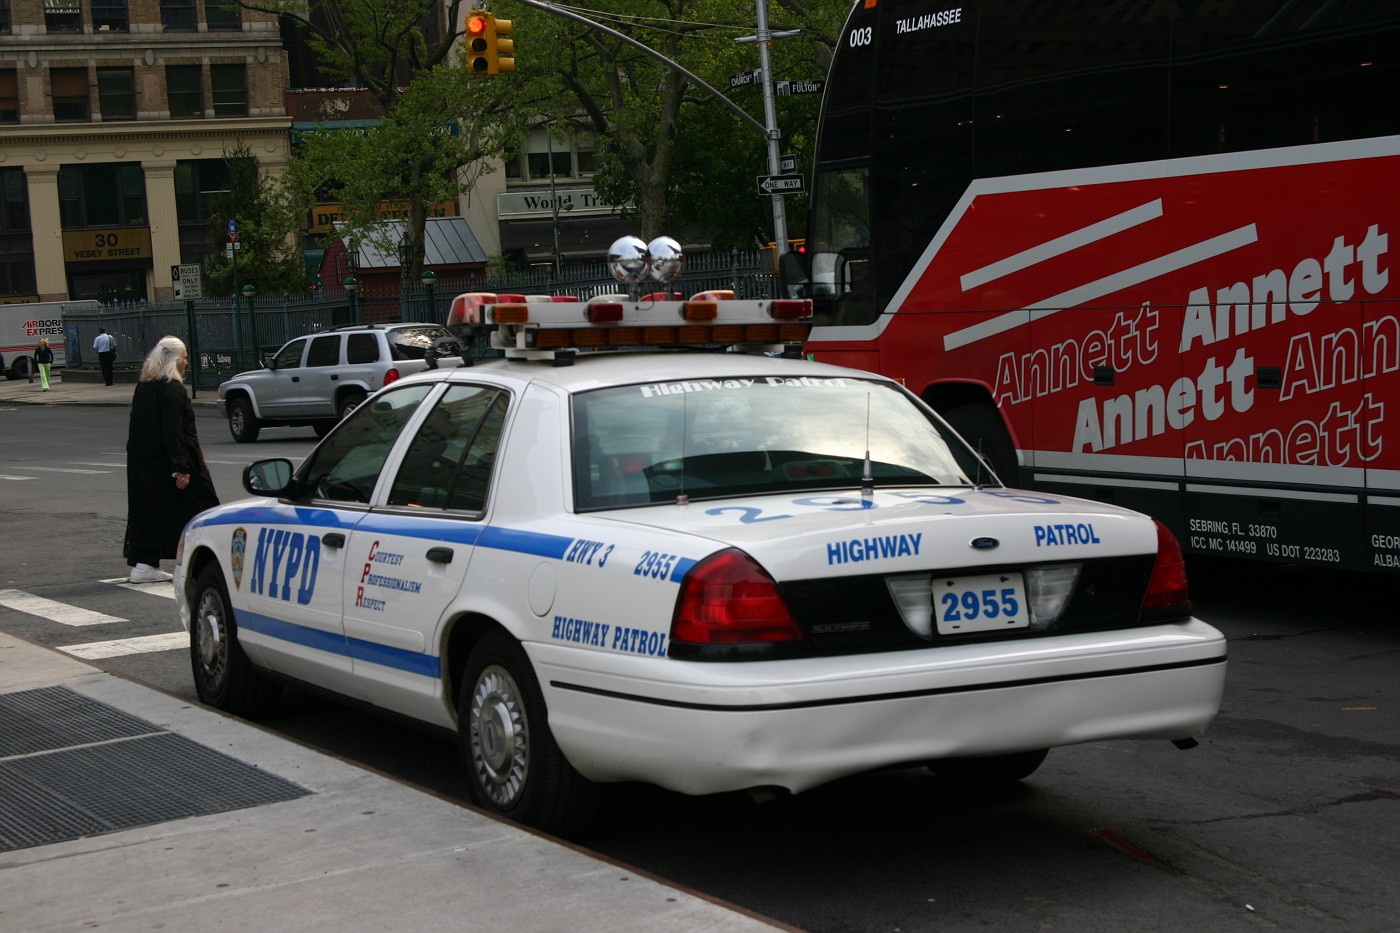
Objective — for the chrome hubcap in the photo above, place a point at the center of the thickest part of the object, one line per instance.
(499, 736)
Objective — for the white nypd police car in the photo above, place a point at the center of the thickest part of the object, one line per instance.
(706, 570)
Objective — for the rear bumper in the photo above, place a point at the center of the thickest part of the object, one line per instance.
(707, 728)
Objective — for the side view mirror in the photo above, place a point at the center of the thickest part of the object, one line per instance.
(268, 477)
(792, 275)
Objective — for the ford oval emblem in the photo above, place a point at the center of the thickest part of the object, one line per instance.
(985, 544)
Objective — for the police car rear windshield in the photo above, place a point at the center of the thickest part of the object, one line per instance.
(756, 435)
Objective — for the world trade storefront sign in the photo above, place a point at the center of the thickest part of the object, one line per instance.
(521, 205)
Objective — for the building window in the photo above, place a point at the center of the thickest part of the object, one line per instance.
(184, 87)
(4, 15)
(116, 93)
(228, 85)
(9, 95)
(201, 189)
(178, 15)
(17, 276)
(112, 194)
(222, 18)
(63, 15)
(570, 159)
(70, 95)
(14, 201)
(109, 16)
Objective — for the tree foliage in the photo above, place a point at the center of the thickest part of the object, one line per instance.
(269, 259)
(440, 127)
(666, 145)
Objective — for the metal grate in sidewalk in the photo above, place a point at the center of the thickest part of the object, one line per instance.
(135, 774)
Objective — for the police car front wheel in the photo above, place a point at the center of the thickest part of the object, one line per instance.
(513, 765)
(223, 676)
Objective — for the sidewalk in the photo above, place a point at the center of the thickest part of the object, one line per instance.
(20, 392)
(283, 837)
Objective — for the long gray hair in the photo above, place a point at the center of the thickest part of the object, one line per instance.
(162, 362)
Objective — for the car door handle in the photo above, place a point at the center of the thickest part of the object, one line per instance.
(440, 555)
(333, 539)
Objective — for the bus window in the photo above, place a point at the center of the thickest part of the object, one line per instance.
(841, 286)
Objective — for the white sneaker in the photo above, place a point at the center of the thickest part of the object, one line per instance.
(145, 573)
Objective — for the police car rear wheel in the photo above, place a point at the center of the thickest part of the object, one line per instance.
(223, 676)
(513, 765)
(994, 769)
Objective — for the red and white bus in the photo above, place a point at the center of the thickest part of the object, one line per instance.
(1142, 252)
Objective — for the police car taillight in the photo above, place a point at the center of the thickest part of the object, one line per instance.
(728, 599)
(1167, 594)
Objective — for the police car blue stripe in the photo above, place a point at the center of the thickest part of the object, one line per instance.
(525, 542)
(455, 531)
(357, 649)
(278, 515)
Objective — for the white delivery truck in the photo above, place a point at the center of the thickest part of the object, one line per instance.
(22, 326)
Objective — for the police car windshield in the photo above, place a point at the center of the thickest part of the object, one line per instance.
(754, 435)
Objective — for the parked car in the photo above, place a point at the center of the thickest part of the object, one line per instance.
(318, 379)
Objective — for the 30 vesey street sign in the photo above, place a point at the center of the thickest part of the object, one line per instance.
(780, 184)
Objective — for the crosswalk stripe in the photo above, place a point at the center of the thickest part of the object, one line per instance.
(166, 589)
(62, 613)
(40, 469)
(169, 641)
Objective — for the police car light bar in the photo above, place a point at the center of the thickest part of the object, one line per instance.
(536, 330)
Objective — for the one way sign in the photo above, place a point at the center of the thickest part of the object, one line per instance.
(780, 184)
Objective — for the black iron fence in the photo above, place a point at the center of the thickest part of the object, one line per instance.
(227, 335)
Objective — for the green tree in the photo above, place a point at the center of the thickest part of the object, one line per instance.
(269, 258)
(666, 145)
(436, 119)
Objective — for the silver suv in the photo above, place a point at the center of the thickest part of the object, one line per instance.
(318, 379)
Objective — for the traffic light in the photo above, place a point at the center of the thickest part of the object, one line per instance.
(490, 50)
(478, 42)
(502, 54)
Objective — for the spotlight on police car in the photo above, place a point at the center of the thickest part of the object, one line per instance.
(667, 261)
(627, 260)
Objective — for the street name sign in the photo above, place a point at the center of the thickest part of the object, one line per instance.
(744, 78)
(792, 88)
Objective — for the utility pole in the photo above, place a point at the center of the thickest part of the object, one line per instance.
(770, 119)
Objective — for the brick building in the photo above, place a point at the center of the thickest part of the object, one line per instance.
(114, 119)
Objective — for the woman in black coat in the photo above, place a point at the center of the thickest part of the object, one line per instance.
(167, 481)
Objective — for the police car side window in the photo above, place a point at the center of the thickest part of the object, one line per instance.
(345, 467)
(448, 463)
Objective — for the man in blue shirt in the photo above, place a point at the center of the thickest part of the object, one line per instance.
(106, 347)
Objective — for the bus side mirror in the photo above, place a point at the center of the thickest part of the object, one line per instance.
(792, 275)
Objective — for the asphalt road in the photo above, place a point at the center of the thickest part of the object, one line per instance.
(1286, 817)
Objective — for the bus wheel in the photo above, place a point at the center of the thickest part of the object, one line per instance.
(981, 426)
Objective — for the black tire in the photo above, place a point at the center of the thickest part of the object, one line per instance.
(514, 768)
(223, 676)
(242, 423)
(992, 770)
(20, 369)
(348, 403)
(981, 426)
(322, 428)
